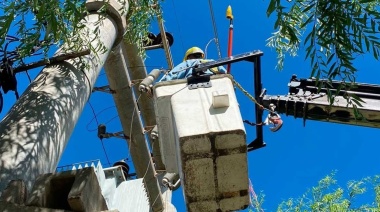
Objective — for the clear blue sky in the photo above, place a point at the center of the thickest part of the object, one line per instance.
(295, 158)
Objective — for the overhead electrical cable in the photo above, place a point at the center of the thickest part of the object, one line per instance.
(101, 141)
(179, 29)
(111, 119)
(215, 29)
(95, 117)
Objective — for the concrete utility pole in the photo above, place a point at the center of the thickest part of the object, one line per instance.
(119, 78)
(34, 133)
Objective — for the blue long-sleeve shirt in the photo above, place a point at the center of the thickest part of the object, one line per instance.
(185, 69)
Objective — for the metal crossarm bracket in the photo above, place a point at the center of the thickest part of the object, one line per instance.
(248, 56)
(105, 89)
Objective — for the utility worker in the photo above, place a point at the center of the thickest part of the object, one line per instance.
(193, 57)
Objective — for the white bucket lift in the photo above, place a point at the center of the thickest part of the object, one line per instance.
(202, 138)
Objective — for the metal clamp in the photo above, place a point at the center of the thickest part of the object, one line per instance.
(195, 82)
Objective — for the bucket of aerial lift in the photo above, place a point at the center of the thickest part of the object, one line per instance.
(202, 138)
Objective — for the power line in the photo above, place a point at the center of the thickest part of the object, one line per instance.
(215, 29)
(101, 141)
(95, 117)
(179, 29)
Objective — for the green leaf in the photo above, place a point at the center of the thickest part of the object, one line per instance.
(271, 7)
(333, 69)
(375, 53)
(330, 58)
(308, 37)
(308, 8)
(357, 98)
(309, 20)
(366, 1)
(357, 102)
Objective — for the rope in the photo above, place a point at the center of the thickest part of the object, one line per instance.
(147, 168)
(146, 171)
(248, 95)
(130, 129)
(156, 199)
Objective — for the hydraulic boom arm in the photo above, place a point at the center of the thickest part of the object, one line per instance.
(304, 100)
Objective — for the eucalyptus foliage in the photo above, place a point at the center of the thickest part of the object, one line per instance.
(332, 32)
(327, 196)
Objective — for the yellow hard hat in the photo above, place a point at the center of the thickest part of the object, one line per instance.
(194, 50)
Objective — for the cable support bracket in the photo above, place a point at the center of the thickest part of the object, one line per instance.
(105, 89)
(135, 81)
(114, 135)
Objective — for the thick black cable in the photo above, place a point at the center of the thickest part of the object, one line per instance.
(215, 29)
(101, 140)
(179, 29)
(111, 119)
(27, 74)
(95, 118)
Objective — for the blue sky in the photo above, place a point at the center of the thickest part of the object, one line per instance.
(295, 158)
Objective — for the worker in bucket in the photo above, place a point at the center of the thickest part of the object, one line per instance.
(193, 56)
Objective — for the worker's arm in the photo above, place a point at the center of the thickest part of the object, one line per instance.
(221, 70)
(215, 70)
(218, 70)
(181, 71)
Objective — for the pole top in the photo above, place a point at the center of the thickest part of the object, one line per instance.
(115, 10)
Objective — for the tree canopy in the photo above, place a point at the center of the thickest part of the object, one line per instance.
(328, 196)
(41, 24)
(332, 33)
